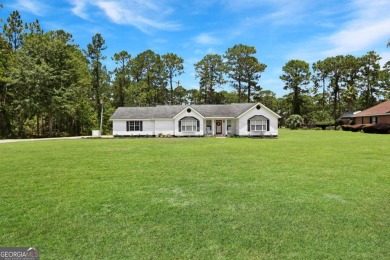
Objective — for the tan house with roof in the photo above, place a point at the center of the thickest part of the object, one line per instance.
(374, 115)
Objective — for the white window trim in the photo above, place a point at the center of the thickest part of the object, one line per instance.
(190, 123)
(257, 125)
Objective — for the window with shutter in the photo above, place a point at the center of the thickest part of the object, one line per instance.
(258, 123)
(189, 124)
(134, 126)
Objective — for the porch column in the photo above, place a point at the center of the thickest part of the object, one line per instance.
(226, 130)
(213, 127)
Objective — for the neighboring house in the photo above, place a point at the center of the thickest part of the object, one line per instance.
(374, 115)
(243, 119)
(349, 115)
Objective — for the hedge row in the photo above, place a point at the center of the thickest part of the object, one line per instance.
(381, 128)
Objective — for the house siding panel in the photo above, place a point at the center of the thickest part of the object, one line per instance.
(164, 127)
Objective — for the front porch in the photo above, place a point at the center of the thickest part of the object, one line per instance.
(219, 127)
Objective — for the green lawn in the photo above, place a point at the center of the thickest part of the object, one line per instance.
(307, 194)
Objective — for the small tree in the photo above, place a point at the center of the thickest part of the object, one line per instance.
(294, 121)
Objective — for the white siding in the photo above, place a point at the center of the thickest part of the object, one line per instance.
(119, 128)
(233, 128)
(242, 125)
(164, 127)
(193, 113)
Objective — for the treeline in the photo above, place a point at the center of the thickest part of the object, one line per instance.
(49, 86)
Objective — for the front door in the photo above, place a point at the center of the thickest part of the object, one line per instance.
(218, 128)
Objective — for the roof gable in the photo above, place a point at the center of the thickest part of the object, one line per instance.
(380, 109)
(186, 109)
(261, 107)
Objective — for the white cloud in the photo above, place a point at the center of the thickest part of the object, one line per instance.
(79, 8)
(142, 14)
(206, 39)
(32, 6)
(370, 26)
(356, 37)
(366, 27)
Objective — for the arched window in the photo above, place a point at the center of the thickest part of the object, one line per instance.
(189, 124)
(258, 123)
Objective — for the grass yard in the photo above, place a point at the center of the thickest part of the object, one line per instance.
(307, 194)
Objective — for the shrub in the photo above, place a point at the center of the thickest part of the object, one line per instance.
(294, 121)
(381, 128)
(343, 122)
(353, 128)
(160, 135)
(358, 127)
(346, 127)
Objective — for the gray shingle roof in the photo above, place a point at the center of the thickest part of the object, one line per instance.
(231, 110)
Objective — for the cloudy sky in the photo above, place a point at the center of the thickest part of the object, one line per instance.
(280, 30)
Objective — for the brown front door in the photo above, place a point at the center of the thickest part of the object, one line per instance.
(218, 124)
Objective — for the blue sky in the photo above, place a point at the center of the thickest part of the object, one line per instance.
(280, 30)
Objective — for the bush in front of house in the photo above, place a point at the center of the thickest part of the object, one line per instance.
(294, 121)
(380, 128)
(354, 128)
(343, 121)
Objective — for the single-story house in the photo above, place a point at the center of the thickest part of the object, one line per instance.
(374, 115)
(242, 119)
(348, 115)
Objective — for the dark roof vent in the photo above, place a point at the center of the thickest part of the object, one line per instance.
(189, 110)
(258, 107)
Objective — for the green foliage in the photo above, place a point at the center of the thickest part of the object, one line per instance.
(100, 78)
(296, 77)
(243, 67)
(210, 71)
(122, 79)
(173, 65)
(294, 121)
(149, 79)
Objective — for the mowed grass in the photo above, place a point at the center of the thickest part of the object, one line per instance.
(307, 194)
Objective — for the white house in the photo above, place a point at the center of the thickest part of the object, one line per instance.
(242, 119)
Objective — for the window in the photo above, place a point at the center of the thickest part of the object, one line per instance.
(373, 120)
(208, 125)
(229, 125)
(189, 124)
(132, 126)
(258, 123)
